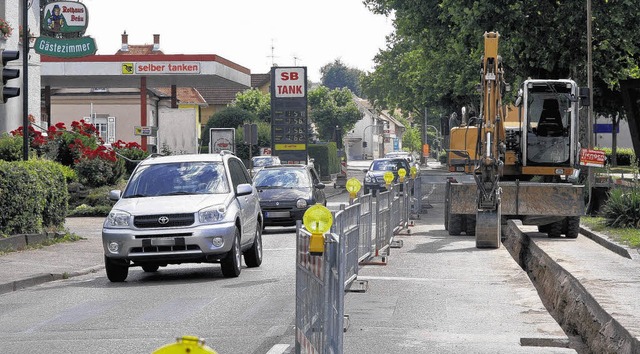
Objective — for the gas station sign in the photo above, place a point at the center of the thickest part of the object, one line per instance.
(289, 121)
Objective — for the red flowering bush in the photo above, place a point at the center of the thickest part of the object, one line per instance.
(82, 149)
(131, 152)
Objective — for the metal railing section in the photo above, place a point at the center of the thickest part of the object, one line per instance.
(366, 225)
(346, 224)
(319, 296)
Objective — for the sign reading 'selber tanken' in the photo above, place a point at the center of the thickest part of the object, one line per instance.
(289, 82)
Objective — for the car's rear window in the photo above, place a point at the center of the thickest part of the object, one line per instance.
(282, 178)
(178, 178)
(387, 165)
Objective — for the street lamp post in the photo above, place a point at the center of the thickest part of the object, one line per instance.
(426, 135)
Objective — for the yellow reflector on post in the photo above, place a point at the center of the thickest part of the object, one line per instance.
(186, 344)
(414, 172)
(353, 187)
(388, 178)
(401, 173)
(317, 220)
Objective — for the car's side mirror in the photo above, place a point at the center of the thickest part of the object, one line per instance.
(320, 186)
(365, 170)
(244, 189)
(114, 195)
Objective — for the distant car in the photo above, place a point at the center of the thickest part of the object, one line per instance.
(184, 209)
(259, 162)
(374, 175)
(286, 192)
(404, 154)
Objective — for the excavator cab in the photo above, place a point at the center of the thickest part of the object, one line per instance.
(550, 112)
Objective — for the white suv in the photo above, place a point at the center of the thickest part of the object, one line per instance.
(184, 209)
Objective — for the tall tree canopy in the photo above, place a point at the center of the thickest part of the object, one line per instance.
(434, 57)
(256, 102)
(337, 75)
(331, 108)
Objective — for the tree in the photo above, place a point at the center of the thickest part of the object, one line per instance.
(255, 101)
(230, 117)
(337, 75)
(411, 139)
(331, 108)
(433, 59)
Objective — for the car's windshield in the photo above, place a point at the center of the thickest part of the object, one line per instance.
(387, 165)
(177, 178)
(282, 178)
(263, 161)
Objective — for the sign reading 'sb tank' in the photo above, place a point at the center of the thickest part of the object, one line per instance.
(62, 25)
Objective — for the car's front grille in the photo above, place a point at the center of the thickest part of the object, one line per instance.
(276, 208)
(163, 220)
(156, 249)
(183, 234)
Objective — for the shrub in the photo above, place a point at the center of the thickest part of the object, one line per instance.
(33, 195)
(624, 156)
(132, 154)
(96, 171)
(326, 158)
(10, 147)
(622, 208)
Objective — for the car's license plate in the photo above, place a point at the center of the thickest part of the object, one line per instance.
(163, 241)
(278, 214)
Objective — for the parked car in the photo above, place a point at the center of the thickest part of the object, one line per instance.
(287, 191)
(184, 209)
(259, 162)
(373, 179)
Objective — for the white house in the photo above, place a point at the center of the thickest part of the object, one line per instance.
(374, 135)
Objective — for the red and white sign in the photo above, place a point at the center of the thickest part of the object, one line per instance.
(265, 151)
(594, 158)
(158, 67)
(290, 82)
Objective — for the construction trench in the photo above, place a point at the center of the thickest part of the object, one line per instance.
(589, 327)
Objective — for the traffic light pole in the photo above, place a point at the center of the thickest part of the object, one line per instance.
(25, 80)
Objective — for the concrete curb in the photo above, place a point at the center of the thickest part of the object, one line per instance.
(44, 278)
(605, 242)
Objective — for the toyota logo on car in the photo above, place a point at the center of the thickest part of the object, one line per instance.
(163, 220)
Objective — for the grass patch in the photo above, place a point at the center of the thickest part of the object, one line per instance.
(627, 236)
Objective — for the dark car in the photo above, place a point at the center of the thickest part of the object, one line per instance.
(374, 176)
(286, 192)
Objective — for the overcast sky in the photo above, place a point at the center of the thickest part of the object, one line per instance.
(309, 33)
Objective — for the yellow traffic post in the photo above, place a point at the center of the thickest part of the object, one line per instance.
(317, 220)
(414, 172)
(186, 345)
(353, 187)
(402, 173)
(388, 178)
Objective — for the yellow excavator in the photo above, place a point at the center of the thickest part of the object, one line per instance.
(523, 158)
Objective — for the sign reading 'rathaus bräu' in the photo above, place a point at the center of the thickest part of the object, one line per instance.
(62, 25)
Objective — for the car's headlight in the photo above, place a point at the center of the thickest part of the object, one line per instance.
(212, 214)
(118, 218)
(368, 178)
(301, 203)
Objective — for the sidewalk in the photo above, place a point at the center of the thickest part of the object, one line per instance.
(36, 266)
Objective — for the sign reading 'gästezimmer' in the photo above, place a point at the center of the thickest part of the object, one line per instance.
(66, 48)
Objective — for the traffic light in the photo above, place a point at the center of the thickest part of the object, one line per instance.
(9, 74)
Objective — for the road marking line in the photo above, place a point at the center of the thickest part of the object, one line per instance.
(278, 349)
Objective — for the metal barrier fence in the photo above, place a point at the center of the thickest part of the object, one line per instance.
(366, 226)
(384, 228)
(346, 224)
(321, 281)
(319, 296)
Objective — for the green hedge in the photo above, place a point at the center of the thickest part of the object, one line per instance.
(624, 156)
(326, 158)
(33, 196)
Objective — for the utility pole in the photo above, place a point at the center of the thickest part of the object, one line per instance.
(25, 80)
